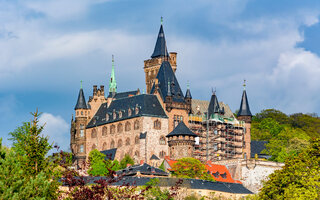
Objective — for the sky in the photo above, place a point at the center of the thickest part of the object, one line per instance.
(48, 46)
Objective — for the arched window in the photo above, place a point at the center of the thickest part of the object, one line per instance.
(129, 112)
(112, 145)
(93, 147)
(157, 124)
(114, 115)
(104, 146)
(119, 143)
(120, 128)
(127, 126)
(107, 117)
(136, 125)
(81, 130)
(104, 131)
(120, 114)
(162, 140)
(127, 142)
(137, 110)
(162, 154)
(112, 129)
(136, 153)
(94, 133)
(137, 140)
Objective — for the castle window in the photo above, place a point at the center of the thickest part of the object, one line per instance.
(136, 153)
(93, 133)
(104, 131)
(120, 128)
(81, 112)
(176, 120)
(127, 142)
(162, 140)
(81, 130)
(107, 117)
(114, 115)
(136, 140)
(120, 114)
(93, 147)
(119, 143)
(157, 124)
(127, 126)
(104, 146)
(162, 154)
(81, 149)
(112, 129)
(137, 110)
(129, 112)
(77, 112)
(112, 144)
(136, 125)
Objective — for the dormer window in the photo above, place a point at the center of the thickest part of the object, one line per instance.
(107, 117)
(120, 114)
(137, 110)
(129, 112)
(114, 115)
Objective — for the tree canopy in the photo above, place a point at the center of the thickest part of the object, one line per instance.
(299, 178)
(190, 168)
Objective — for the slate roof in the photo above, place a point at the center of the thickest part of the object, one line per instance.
(154, 157)
(123, 94)
(257, 147)
(199, 184)
(145, 104)
(201, 106)
(188, 94)
(81, 102)
(143, 135)
(144, 169)
(164, 76)
(181, 129)
(214, 106)
(110, 153)
(244, 106)
(160, 49)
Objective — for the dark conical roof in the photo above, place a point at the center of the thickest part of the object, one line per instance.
(164, 76)
(81, 103)
(188, 94)
(244, 106)
(181, 129)
(213, 105)
(160, 49)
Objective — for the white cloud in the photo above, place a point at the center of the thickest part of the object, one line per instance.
(57, 129)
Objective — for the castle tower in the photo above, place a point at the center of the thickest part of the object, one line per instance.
(78, 131)
(181, 142)
(188, 98)
(112, 83)
(245, 115)
(160, 53)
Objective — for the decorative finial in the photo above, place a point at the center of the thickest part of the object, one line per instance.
(244, 84)
(113, 58)
(81, 84)
(214, 91)
(188, 85)
(161, 20)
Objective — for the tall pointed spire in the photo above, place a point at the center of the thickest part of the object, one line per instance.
(244, 106)
(112, 83)
(161, 48)
(188, 93)
(213, 105)
(81, 102)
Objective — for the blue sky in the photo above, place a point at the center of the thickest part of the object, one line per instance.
(48, 46)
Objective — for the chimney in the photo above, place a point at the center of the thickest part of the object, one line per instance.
(102, 89)
(141, 162)
(94, 90)
(128, 165)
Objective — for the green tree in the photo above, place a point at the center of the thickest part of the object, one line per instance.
(190, 168)
(98, 165)
(155, 192)
(162, 166)
(125, 161)
(299, 178)
(277, 115)
(29, 143)
(26, 174)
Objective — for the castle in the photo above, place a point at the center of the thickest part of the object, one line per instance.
(163, 122)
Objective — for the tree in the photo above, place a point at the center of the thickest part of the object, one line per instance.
(299, 178)
(271, 113)
(15, 183)
(190, 168)
(125, 161)
(31, 147)
(98, 164)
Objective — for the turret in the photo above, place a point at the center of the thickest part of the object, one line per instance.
(181, 142)
(245, 115)
(214, 107)
(112, 83)
(188, 98)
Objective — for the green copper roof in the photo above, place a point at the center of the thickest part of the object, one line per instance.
(112, 83)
